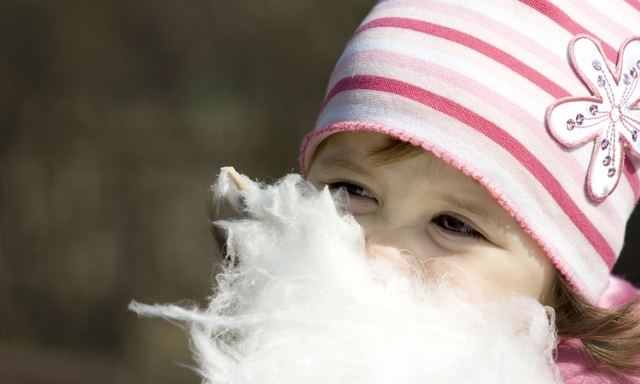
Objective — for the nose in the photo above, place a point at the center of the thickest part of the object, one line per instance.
(395, 244)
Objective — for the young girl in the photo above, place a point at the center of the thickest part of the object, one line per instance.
(527, 115)
(491, 146)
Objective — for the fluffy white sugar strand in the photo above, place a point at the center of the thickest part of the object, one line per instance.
(300, 302)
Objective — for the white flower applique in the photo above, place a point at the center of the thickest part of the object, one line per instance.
(611, 116)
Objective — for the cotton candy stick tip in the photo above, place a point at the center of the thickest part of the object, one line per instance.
(235, 177)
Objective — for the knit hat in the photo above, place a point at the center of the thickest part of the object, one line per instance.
(537, 100)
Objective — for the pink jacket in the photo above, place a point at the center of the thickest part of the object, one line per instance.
(574, 364)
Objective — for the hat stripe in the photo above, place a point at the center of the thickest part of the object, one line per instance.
(497, 134)
(485, 21)
(450, 65)
(634, 3)
(557, 15)
(471, 42)
(464, 62)
(622, 13)
(604, 19)
(522, 39)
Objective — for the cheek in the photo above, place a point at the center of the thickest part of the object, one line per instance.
(513, 275)
(532, 270)
(464, 273)
(492, 276)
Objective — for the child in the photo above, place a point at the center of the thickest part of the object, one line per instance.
(536, 101)
(492, 147)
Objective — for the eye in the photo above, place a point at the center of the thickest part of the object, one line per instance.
(352, 189)
(456, 226)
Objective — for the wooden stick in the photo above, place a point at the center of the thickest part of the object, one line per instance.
(236, 179)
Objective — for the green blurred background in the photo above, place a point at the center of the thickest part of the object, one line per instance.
(115, 117)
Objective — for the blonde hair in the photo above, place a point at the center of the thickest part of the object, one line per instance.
(611, 336)
(391, 150)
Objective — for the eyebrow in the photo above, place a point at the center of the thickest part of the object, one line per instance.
(340, 162)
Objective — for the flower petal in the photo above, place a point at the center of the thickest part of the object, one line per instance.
(629, 75)
(576, 122)
(606, 165)
(593, 68)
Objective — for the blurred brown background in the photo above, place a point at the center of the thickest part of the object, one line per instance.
(115, 117)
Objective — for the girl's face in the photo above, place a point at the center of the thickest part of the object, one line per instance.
(422, 206)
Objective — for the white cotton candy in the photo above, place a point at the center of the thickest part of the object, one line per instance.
(300, 302)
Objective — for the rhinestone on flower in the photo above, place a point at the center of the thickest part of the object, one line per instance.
(601, 81)
(596, 64)
(610, 116)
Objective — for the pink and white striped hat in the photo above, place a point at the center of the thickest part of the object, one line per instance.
(537, 100)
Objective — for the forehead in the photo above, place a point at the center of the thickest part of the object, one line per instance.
(366, 151)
